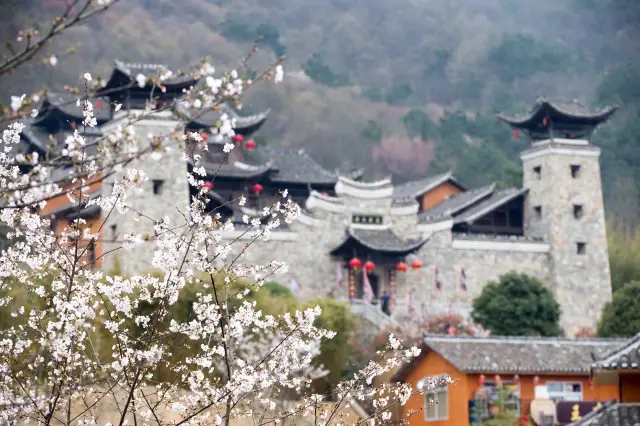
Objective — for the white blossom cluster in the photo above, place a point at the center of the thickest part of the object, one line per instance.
(79, 338)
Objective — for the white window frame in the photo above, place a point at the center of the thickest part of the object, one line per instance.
(565, 395)
(431, 394)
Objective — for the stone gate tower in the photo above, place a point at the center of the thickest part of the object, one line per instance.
(564, 205)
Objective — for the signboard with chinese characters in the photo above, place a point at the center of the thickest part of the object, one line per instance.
(366, 219)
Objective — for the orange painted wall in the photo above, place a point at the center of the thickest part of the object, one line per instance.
(61, 223)
(439, 194)
(62, 200)
(465, 385)
(432, 365)
(600, 392)
(629, 387)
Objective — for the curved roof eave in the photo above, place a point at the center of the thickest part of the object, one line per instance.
(597, 116)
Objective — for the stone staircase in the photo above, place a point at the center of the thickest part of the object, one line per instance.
(373, 315)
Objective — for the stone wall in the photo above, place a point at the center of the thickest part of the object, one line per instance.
(172, 201)
(581, 282)
(487, 261)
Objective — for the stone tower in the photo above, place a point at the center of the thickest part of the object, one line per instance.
(564, 205)
(165, 194)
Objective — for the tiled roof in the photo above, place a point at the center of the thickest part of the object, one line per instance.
(456, 203)
(520, 354)
(612, 414)
(382, 239)
(497, 199)
(236, 170)
(411, 190)
(208, 118)
(626, 356)
(67, 104)
(515, 355)
(132, 69)
(292, 166)
(39, 137)
(572, 109)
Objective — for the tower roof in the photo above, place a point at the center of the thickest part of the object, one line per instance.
(208, 117)
(558, 108)
(124, 75)
(559, 118)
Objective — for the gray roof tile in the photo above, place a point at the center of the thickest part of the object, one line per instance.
(455, 204)
(572, 109)
(497, 199)
(382, 239)
(624, 357)
(519, 354)
(205, 117)
(292, 166)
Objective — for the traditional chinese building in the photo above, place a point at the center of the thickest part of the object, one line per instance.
(496, 374)
(432, 244)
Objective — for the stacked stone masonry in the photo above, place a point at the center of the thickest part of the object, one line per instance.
(547, 250)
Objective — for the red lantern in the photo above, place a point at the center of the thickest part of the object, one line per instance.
(355, 263)
(497, 378)
(516, 378)
(238, 138)
(204, 137)
(402, 267)
(369, 266)
(208, 185)
(416, 264)
(536, 380)
(99, 104)
(257, 188)
(591, 382)
(545, 121)
(481, 379)
(516, 134)
(250, 144)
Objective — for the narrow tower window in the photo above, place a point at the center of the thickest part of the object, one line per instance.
(581, 248)
(578, 211)
(157, 186)
(575, 171)
(538, 171)
(538, 210)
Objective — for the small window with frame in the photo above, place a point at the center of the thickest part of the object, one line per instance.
(436, 399)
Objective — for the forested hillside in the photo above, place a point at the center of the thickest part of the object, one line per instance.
(407, 87)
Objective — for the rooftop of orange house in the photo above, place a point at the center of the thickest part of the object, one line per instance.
(516, 355)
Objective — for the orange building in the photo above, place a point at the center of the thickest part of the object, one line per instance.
(62, 213)
(480, 366)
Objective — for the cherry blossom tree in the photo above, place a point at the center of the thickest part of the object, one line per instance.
(83, 346)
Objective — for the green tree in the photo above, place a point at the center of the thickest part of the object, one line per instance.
(621, 316)
(334, 353)
(517, 305)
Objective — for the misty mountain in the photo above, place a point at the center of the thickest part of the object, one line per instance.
(369, 77)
